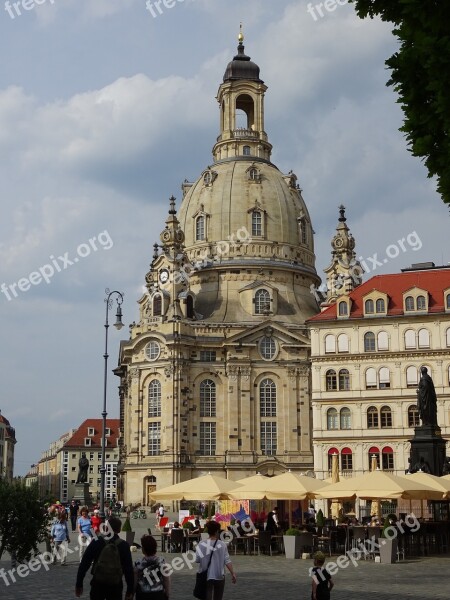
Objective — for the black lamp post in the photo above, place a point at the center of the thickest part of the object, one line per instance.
(118, 325)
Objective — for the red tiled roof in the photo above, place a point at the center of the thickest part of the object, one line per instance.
(77, 440)
(434, 281)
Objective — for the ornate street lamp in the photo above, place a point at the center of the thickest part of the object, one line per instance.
(118, 325)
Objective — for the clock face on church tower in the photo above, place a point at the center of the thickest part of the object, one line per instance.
(164, 276)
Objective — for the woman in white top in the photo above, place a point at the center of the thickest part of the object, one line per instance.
(215, 549)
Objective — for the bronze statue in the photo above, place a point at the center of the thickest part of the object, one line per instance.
(426, 399)
(83, 465)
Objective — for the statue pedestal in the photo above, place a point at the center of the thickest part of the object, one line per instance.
(82, 494)
(429, 445)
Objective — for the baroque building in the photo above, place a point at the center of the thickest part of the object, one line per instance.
(7, 444)
(367, 349)
(215, 376)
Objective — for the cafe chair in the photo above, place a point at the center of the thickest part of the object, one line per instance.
(176, 543)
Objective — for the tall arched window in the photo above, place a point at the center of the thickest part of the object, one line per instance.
(413, 416)
(388, 458)
(331, 380)
(262, 302)
(345, 418)
(256, 223)
(372, 418)
(343, 309)
(424, 338)
(409, 303)
(368, 307)
(330, 344)
(380, 305)
(268, 398)
(346, 459)
(200, 228)
(207, 398)
(385, 417)
(384, 378)
(190, 307)
(382, 341)
(332, 419)
(421, 303)
(410, 339)
(344, 379)
(343, 342)
(157, 305)
(154, 398)
(411, 377)
(371, 379)
(369, 342)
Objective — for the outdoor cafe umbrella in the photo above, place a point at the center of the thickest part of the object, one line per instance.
(208, 487)
(441, 484)
(287, 486)
(379, 484)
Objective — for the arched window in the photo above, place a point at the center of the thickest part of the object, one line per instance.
(343, 309)
(346, 418)
(410, 339)
(447, 335)
(200, 228)
(207, 398)
(374, 452)
(267, 347)
(344, 379)
(421, 303)
(424, 338)
(331, 452)
(411, 377)
(380, 305)
(330, 344)
(369, 342)
(302, 231)
(413, 416)
(368, 307)
(157, 305)
(246, 150)
(382, 341)
(256, 223)
(343, 342)
(409, 303)
(388, 458)
(253, 174)
(154, 398)
(371, 379)
(346, 459)
(372, 418)
(384, 378)
(331, 380)
(332, 419)
(190, 307)
(385, 417)
(268, 398)
(448, 302)
(262, 302)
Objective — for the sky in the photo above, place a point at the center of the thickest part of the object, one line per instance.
(106, 106)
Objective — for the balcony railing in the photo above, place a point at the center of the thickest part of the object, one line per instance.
(245, 133)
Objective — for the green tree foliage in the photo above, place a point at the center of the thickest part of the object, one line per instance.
(420, 74)
(23, 519)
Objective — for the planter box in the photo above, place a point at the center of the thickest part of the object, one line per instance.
(292, 546)
(388, 550)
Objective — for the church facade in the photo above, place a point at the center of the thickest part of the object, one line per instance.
(216, 374)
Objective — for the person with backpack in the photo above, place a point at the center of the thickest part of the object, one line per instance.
(322, 584)
(150, 584)
(111, 558)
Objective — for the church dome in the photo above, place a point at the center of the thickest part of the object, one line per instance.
(241, 67)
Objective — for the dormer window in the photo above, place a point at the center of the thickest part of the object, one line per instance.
(200, 228)
(262, 302)
(368, 307)
(343, 309)
(87, 441)
(107, 431)
(415, 299)
(409, 303)
(91, 431)
(380, 306)
(254, 174)
(421, 303)
(447, 302)
(256, 223)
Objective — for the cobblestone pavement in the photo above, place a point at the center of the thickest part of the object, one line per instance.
(260, 577)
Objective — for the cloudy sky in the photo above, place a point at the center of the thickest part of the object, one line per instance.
(105, 108)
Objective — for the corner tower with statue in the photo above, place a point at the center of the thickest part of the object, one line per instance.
(216, 374)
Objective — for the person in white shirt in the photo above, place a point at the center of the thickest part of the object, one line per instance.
(215, 550)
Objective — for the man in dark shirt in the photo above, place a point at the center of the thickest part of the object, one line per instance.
(102, 591)
(73, 511)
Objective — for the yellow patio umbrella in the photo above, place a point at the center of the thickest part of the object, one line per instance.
(381, 485)
(290, 486)
(441, 484)
(251, 488)
(208, 487)
(335, 504)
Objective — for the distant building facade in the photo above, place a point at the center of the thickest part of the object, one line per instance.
(7, 444)
(49, 468)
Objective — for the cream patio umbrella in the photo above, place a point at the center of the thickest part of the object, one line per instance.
(381, 485)
(251, 488)
(441, 484)
(208, 487)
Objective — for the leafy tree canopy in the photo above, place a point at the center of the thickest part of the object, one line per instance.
(420, 74)
(23, 519)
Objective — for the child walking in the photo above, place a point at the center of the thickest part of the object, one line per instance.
(322, 584)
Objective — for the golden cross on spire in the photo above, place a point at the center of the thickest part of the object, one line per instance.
(241, 35)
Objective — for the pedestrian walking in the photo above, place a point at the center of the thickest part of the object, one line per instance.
(322, 584)
(73, 512)
(213, 557)
(84, 530)
(59, 535)
(111, 558)
(151, 583)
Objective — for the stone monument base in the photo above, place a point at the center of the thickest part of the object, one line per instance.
(82, 494)
(428, 450)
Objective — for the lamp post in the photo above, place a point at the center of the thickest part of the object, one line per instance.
(118, 325)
